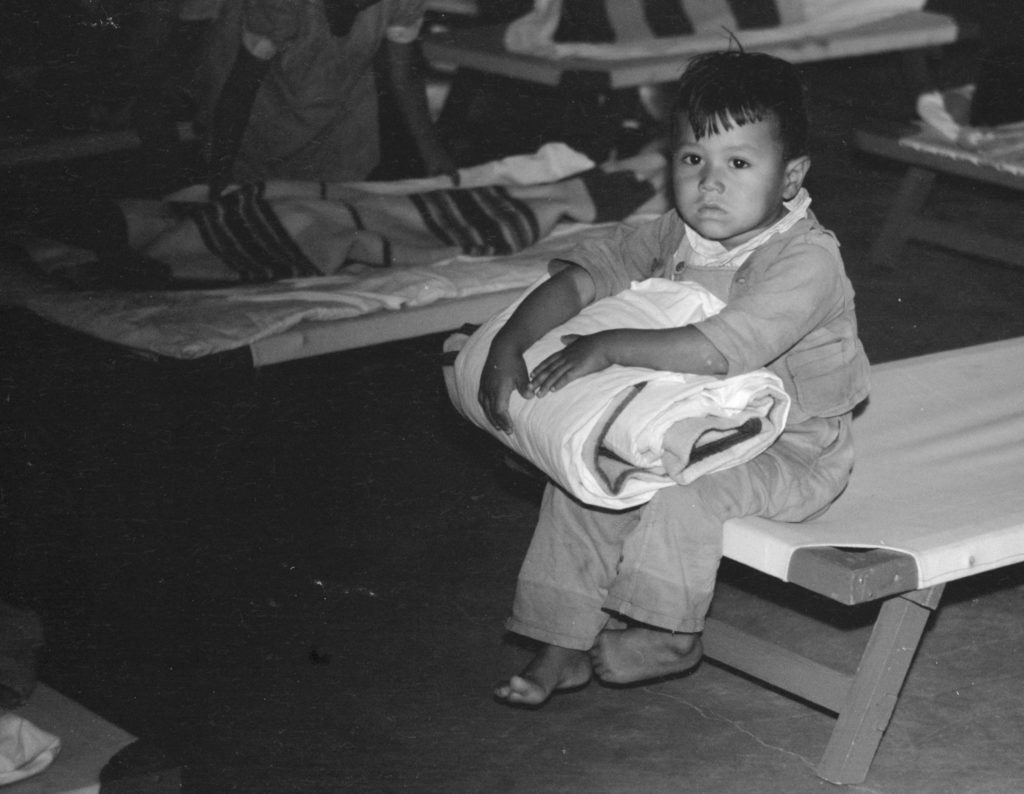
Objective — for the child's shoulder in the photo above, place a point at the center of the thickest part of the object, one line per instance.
(808, 235)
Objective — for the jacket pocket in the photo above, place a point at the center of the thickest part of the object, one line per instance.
(830, 378)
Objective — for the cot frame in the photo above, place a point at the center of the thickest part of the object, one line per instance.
(906, 584)
(907, 219)
(864, 701)
(309, 339)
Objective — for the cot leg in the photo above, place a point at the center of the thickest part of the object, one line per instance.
(914, 189)
(875, 687)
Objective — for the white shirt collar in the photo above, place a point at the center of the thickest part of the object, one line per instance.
(712, 254)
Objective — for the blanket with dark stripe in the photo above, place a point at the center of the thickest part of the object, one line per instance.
(610, 29)
(264, 232)
(282, 230)
(626, 20)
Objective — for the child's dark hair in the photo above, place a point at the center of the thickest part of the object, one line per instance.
(719, 89)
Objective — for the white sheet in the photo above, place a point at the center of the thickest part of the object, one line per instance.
(653, 430)
(189, 324)
(939, 472)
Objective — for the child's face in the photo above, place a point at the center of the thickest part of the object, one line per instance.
(730, 185)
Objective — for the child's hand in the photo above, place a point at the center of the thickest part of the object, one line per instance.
(581, 356)
(503, 371)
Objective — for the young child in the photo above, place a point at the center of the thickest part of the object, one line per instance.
(623, 595)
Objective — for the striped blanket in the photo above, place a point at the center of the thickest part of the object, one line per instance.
(280, 230)
(615, 29)
(257, 234)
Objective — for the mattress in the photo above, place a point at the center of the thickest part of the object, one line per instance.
(940, 463)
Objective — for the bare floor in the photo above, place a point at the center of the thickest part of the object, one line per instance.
(294, 580)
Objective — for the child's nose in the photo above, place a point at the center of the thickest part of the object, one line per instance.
(710, 179)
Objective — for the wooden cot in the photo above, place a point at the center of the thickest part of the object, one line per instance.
(482, 49)
(935, 496)
(603, 78)
(927, 156)
(286, 319)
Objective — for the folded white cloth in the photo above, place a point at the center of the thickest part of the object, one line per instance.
(615, 437)
(25, 749)
(948, 113)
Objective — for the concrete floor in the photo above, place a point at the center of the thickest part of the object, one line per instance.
(294, 580)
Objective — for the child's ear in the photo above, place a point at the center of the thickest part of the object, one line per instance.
(796, 170)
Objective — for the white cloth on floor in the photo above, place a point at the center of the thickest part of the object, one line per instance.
(25, 749)
(615, 437)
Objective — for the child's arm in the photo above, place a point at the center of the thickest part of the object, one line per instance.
(673, 350)
(551, 304)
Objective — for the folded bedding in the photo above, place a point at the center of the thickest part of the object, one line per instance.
(946, 129)
(615, 437)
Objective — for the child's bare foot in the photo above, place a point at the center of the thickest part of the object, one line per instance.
(639, 652)
(553, 668)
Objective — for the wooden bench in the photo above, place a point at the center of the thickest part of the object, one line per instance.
(936, 495)
(927, 156)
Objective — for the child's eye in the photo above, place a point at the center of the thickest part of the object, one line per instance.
(738, 163)
(690, 159)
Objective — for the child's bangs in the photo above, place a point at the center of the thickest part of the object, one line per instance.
(718, 108)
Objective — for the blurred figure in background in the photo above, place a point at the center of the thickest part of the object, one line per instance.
(290, 91)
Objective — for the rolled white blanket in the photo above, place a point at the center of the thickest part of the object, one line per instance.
(615, 437)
